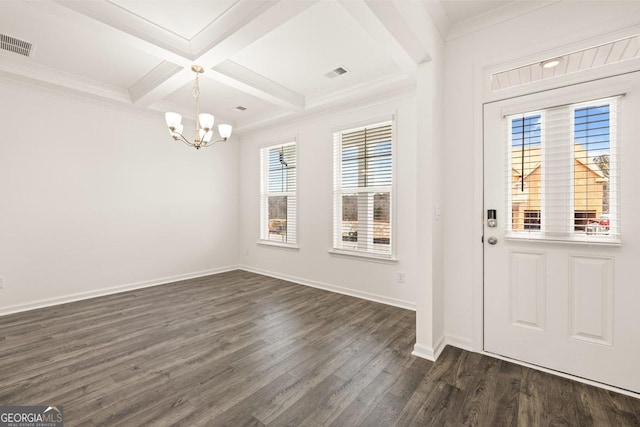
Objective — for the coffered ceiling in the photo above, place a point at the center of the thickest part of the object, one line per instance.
(270, 57)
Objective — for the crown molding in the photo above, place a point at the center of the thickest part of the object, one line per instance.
(363, 99)
(494, 17)
(24, 70)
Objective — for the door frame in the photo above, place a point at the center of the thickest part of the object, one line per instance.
(483, 96)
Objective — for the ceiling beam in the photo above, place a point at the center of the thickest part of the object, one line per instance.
(252, 28)
(235, 38)
(388, 14)
(241, 78)
(237, 28)
(157, 85)
(376, 28)
(91, 16)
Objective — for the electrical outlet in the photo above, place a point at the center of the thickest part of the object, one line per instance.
(400, 277)
(1, 282)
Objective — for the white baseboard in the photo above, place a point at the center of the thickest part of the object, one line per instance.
(441, 343)
(333, 288)
(424, 352)
(108, 291)
(460, 342)
(430, 353)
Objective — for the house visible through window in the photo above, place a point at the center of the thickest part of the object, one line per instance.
(582, 219)
(526, 171)
(363, 187)
(531, 220)
(278, 218)
(562, 172)
(592, 150)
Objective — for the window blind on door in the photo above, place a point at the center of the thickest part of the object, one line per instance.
(278, 190)
(562, 173)
(363, 186)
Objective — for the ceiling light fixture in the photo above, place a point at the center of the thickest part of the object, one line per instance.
(204, 121)
(550, 63)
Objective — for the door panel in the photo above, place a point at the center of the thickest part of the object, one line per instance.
(567, 305)
(591, 299)
(527, 288)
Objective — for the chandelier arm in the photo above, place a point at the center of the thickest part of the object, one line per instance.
(210, 143)
(185, 140)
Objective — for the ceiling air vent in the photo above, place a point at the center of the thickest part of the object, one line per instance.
(240, 108)
(14, 45)
(335, 73)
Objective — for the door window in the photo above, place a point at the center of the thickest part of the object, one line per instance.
(562, 172)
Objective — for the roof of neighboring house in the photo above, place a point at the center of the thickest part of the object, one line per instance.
(532, 160)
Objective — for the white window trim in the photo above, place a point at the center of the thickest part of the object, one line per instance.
(368, 256)
(364, 256)
(264, 178)
(282, 245)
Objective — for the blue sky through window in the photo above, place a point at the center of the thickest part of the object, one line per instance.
(367, 166)
(282, 175)
(528, 128)
(592, 129)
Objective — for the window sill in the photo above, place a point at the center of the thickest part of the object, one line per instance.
(363, 256)
(580, 242)
(278, 245)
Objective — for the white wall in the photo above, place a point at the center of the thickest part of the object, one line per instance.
(95, 196)
(545, 29)
(312, 264)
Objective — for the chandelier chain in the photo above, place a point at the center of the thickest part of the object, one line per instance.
(195, 91)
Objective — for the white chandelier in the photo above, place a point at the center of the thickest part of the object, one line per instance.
(204, 121)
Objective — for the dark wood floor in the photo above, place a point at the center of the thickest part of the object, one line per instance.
(242, 349)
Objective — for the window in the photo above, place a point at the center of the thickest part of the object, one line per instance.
(531, 220)
(526, 171)
(562, 173)
(278, 217)
(582, 219)
(363, 188)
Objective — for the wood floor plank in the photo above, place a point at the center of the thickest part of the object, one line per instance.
(533, 401)
(589, 406)
(441, 407)
(620, 409)
(480, 392)
(561, 402)
(241, 349)
(384, 361)
(504, 411)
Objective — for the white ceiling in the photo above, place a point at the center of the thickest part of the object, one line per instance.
(268, 56)
(461, 10)
(184, 18)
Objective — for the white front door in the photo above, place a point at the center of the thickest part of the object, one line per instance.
(562, 264)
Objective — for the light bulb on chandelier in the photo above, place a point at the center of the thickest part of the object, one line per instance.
(204, 121)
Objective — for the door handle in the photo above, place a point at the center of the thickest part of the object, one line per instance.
(492, 240)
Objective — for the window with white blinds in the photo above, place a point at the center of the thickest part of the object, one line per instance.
(363, 188)
(562, 173)
(278, 198)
